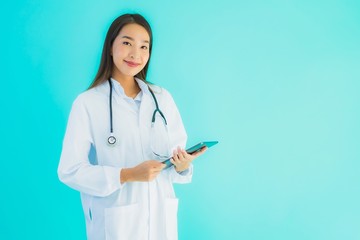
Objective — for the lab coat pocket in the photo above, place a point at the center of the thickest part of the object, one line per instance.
(171, 208)
(125, 222)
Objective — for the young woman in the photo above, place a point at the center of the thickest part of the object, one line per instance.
(118, 133)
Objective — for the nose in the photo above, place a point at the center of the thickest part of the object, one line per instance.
(134, 54)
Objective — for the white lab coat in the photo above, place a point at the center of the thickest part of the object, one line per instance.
(136, 210)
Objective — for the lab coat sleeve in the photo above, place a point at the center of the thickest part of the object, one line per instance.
(178, 137)
(74, 168)
(182, 177)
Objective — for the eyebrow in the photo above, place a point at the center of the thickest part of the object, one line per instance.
(145, 41)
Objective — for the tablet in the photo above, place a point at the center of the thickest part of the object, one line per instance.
(193, 149)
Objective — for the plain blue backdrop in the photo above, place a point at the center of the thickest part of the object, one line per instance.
(276, 82)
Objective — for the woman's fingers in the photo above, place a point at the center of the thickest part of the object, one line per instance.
(181, 153)
(181, 159)
(198, 153)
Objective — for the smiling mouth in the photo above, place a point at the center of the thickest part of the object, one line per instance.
(131, 64)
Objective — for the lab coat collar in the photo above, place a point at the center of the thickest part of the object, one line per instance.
(143, 86)
(120, 90)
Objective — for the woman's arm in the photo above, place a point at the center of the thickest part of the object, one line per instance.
(144, 172)
(75, 169)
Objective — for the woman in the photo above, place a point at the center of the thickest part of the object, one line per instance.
(118, 132)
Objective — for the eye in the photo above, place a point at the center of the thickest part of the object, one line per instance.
(127, 43)
(144, 47)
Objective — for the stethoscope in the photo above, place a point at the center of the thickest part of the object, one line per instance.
(112, 139)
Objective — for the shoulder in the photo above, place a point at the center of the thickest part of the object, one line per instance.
(164, 98)
(90, 100)
(160, 92)
(148, 87)
(91, 95)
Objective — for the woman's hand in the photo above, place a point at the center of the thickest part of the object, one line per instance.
(144, 172)
(181, 159)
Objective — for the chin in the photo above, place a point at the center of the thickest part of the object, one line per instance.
(131, 73)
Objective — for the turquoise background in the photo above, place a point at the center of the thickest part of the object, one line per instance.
(276, 82)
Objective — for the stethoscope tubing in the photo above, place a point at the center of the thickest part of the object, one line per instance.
(112, 138)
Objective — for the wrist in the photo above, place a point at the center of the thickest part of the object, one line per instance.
(180, 170)
(125, 175)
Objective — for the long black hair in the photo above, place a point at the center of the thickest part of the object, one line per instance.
(106, 63)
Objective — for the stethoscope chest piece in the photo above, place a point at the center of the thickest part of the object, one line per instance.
(111, 141)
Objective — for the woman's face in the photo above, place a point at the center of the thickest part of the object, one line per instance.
(130, 51)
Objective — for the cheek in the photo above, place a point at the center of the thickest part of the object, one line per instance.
(116, 59)
(145, 58)
(118, 50)
(117, 54)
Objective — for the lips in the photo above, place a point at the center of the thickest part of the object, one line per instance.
(131, 64)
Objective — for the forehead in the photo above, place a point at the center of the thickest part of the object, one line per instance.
(135, 31)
